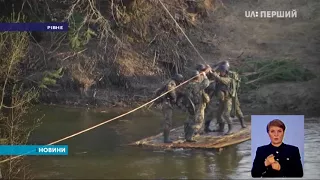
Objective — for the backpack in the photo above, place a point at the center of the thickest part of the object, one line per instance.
(158, 92)
(235, 83)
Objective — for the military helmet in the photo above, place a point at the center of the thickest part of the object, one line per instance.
(200, 67)
(177, 77)
(194, 73)
(225, 63)
(223, 68)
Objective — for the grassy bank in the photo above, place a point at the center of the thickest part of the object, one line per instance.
(257, 73)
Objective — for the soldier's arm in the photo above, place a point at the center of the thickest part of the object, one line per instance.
(204, 83)
(223, 80)
(258, 167)
(210, 76)
(210, 89)
(171, 86)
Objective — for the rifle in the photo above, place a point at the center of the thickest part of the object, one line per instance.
(185, 100)
(235, 84)
(233, 109)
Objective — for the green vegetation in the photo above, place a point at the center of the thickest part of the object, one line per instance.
(78, 34)
(15, 100)
(256, 73)
(50, 78)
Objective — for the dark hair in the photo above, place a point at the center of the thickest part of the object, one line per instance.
(277, 123)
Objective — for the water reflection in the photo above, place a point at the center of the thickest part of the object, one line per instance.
(225, 162)
(312, 142)
(196, 167)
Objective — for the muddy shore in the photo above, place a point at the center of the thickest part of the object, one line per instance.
(279, 98)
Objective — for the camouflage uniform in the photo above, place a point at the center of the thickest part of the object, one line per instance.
(195, 91)
(235, 100)
(167, 102)
(225, 101)
(238, 111)
(228, 99)
(209, 110)
(167, 110)
(209, 115)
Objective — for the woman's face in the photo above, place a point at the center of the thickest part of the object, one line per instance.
(276, 134)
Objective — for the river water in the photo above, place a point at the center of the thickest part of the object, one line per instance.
(102, 154)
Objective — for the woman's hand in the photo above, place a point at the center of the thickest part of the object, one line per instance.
(269, 160)
(276, 166)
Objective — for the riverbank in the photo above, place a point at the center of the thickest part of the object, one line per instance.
(279, 98)
(146, 47)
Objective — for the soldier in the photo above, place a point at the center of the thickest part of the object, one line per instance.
(235, 100)
(195, 91)
(201, 67)
(224, 97)
(235, 85)
(206, 68)
(209, 111)
(167, 102)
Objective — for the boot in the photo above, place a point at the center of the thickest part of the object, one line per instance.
(242, 122)
(188, 133)
(189, 136)
(191, 140)
(166, 138)
(229, 129)
(220, 129)
(206, 127)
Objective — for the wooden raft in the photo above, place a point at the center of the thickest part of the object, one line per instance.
(213, 140)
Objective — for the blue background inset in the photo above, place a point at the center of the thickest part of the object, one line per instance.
(294, 133)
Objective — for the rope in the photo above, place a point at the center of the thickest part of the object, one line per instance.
(182, 30)
(107, 121)
(133, 110)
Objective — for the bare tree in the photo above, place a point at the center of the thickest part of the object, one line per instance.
(15, 102)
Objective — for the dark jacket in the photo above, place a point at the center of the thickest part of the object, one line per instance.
(170, 97)
(288, 157)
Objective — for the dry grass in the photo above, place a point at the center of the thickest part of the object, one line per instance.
(271, 40)
(133, 64)
(260, 37)
(288, 97)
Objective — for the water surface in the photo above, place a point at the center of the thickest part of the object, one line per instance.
(102, 153)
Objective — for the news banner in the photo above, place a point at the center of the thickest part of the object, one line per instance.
(20, 27)
(33, 150)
